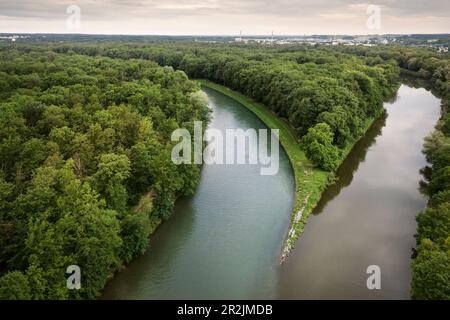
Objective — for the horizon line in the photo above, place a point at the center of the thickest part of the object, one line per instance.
(222, 35)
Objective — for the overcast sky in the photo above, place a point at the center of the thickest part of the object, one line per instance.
(225, 17)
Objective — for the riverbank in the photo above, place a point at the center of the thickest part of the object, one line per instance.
(310, 181)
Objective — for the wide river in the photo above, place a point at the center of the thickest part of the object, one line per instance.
(223, 242)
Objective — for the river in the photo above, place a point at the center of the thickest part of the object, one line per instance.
(368, 216)
(223, 242)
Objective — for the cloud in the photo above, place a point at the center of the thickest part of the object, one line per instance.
(321, 15)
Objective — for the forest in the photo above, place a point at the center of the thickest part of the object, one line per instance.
(85, 144)
(327, 97)
(85, 171)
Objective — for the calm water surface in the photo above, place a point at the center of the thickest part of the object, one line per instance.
(223, 242)
(368, 217)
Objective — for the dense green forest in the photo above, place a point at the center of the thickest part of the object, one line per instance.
(327, 97)
(85, 131)
(85, 170)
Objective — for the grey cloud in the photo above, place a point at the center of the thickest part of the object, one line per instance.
(117, 13)
(115, 9)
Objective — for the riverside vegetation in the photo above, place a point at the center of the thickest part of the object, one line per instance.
(323, 100)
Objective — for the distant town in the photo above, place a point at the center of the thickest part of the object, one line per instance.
(439, 42)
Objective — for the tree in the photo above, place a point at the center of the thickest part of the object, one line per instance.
(441, 157)
(431, 273)
(439, 198)
(434, 223)
(109, 179)
(446, 125)
(14, 286)
(32, 155)
(7, 227)
(440, 180)
(318, 144)
(135, 229)
(344, 125)
(53, 117)
(71, 227)
(199, 99)
(432, 144)
(5, 192)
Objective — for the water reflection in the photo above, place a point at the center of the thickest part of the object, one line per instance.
(350, 165)
(368, 216)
